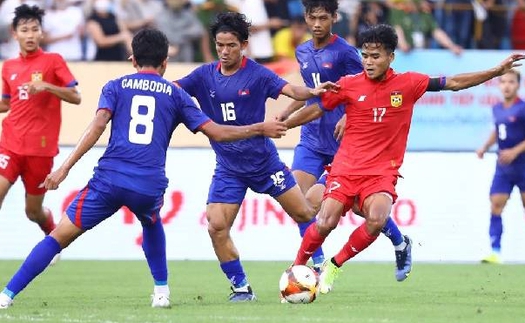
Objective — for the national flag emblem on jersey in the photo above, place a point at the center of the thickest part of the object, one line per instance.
(327, 65)
(244, 92)
(512, 119)
(396, 99)
(36, 76)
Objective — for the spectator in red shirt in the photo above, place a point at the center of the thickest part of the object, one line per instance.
(379, 105)
(33, 86)
(517, 28)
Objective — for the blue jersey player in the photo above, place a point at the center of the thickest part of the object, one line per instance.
(144, 109)
(509, 134)
(234, 91)
(328, 57)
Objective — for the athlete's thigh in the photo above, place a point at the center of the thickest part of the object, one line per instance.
(501, 182)
(146, 208)
(34, 173)
(93, 204)
(370, 186)
(226, 187)
(314, 196)
(304, 180)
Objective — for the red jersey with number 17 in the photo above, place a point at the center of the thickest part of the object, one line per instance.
(32, 125)
(378, 120)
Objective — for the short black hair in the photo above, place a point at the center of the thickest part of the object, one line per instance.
(26, 13)
(231, 22)
(379, 34)
(329, 6)
(150, 47)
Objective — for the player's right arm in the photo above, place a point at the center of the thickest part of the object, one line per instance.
(219, 132)
(86, 142)
(491, 140)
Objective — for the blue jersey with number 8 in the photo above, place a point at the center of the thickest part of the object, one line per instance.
(146, 109)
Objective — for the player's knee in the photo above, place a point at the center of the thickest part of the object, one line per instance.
(34, 214)
(304, 213)
(497, 207)
(375, 222)
(217, 227)
(325, 225)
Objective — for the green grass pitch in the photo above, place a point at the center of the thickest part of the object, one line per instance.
(118, 291)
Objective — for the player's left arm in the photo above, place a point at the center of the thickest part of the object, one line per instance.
(466, 80)
(86, 142)
(68, 94)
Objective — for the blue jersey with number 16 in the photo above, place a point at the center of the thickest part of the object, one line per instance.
(237, 99)
(145, 109)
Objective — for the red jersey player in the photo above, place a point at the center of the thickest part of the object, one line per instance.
(379, 104)
(33, 86)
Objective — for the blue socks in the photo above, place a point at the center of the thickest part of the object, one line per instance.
(392, 232)
(34, 265)
(154, 246)
(495, 232)
(235, 273)
(318, 255)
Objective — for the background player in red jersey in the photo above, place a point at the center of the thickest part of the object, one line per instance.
(379, 106)
(33, 86)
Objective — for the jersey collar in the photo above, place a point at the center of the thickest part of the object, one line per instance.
(32, 55)
(243, 63)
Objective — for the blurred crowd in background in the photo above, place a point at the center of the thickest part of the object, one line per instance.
(101, 30)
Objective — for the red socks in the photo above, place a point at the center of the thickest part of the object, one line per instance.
(49, 224)
(359, 240)
(312, 240)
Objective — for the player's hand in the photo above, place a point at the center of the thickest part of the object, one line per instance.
(35, 87)
(54, 179)
(507, 156)
(510, 62)
(339, 130)
(326, 86)
(480, 152)
(274, 129)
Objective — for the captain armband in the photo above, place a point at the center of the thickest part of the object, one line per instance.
(436, 84)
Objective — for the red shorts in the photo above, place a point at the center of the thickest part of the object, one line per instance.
(32, 169)
(346, 189)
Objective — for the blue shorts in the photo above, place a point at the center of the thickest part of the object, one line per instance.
(309, 161)
(506, 177)
(229, 187)
(99, 200)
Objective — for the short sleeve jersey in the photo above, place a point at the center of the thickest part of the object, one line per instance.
(378, 121)
(329, 63)
(32, 125)
(238, 99)
(510, 126)
(146, 109)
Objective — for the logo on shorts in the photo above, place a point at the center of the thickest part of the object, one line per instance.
(278, 180)
(37, 76)
(396, 99)
(333, 186)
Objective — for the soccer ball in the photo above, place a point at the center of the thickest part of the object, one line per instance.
(299, 284)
